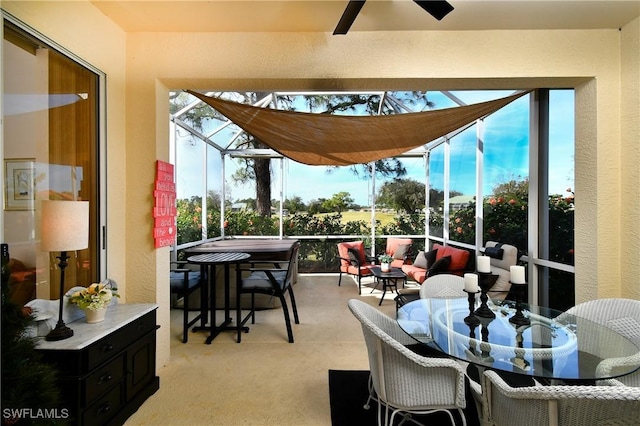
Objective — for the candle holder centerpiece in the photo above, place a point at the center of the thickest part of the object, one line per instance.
(471, 288)
(486, 280)
(471, 319)
(518, 318)
(519, 285)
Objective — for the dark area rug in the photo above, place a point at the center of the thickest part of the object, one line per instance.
(348, 393)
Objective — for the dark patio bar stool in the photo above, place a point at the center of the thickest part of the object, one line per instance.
(184, 282)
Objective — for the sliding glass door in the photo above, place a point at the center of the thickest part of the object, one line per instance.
(51, 151)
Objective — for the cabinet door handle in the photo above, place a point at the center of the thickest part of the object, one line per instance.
(105, 378)
(107, 347)
(104, 409)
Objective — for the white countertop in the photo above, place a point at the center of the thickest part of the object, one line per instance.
(84, 334)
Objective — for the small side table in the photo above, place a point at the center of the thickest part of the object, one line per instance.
(389, 279)
(208, 262)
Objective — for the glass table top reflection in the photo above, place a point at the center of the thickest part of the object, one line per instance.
(554, 345)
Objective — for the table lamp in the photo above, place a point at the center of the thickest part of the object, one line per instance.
(64, 227)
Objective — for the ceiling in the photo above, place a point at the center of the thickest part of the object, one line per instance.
(376, 15)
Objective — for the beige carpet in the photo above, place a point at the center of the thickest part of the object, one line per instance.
(265, 380)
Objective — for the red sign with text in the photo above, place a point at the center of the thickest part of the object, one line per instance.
(164, 210)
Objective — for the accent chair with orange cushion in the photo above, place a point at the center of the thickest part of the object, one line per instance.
(400, 250)
(353, 261)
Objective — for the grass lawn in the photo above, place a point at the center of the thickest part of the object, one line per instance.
(352, 216)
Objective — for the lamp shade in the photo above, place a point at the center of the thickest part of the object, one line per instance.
(65, 225)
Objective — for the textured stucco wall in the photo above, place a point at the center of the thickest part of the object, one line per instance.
(630, 162)
(591, 61)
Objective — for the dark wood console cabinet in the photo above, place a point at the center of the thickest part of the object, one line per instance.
(107, 370)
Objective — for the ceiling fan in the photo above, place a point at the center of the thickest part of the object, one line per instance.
(437, 9)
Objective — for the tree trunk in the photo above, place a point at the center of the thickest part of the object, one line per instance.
(262, 169)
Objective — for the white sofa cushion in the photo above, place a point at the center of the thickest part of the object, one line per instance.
(501, 267)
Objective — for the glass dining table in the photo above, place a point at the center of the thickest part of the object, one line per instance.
(553, 345)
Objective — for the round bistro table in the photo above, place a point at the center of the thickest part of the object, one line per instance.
(208, 263)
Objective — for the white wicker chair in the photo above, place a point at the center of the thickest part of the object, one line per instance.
(558, 405)
(451, 286)
(621, 315)
(443, 285)
(403, 380)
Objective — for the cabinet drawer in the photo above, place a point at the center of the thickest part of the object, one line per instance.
(114, 343)
(104, 408)
(104, 378)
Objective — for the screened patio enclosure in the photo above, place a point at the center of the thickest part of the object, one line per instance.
(508, 159)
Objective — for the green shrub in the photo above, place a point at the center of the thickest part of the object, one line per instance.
(505, 220)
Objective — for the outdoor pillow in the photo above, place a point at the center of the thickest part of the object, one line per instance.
(425, 260)
(421, 260)
(402, 251)
(496, 251)
(440, 265)
(354, 256)
(431, 257)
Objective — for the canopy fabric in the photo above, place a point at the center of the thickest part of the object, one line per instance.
(338, 140)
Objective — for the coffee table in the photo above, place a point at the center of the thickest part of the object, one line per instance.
(389, 279)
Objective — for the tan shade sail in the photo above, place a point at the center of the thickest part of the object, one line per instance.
(338, 140)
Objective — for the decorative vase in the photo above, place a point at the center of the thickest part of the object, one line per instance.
(95, 316)
(385, 267)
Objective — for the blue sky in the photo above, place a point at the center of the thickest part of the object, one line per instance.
(505, 157)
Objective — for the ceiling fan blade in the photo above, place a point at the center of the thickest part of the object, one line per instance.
(437, 9)
(349, 15)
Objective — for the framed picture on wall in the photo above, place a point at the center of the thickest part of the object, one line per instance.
(19, 184)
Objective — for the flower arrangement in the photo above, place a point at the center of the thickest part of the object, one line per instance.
(385, 258)
(96, 296)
